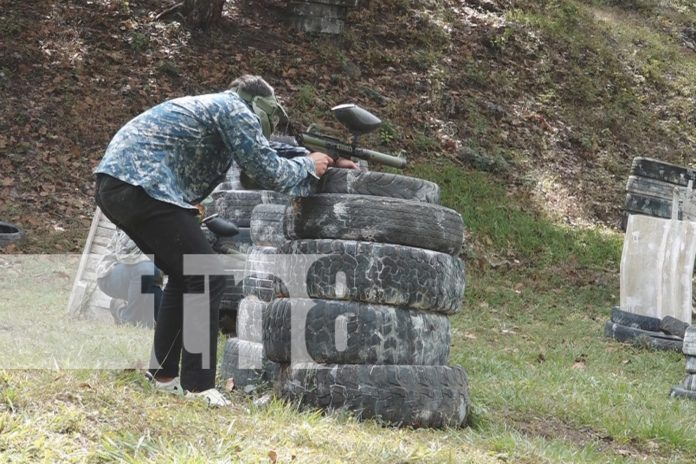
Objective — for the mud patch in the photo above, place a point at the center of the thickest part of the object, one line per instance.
(551, 428)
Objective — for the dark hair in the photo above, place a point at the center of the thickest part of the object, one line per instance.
(254, 85)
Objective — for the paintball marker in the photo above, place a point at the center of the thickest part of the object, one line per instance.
(358, 121)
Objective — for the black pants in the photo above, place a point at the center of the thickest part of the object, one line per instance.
(182, 334)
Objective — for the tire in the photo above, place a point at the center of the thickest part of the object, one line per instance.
(268, 225)
(346, 332)
(237, 205)
(381, 184)
(374, 273)
(260, 279)
(648, 206)
(210, 202)
(226, 186)
(689, 382)
(660, 170)
(220, 191)
(636, 321)
(680, 392)
(673, 326)
(250, 319)
(233, 293)
(651, 187)
(690, 364)
(377, 219)
(689, 344)
(414, 396)
(238, 355)
(642, 338)
(9, 233)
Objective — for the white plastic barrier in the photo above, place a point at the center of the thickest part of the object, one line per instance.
(657, 267)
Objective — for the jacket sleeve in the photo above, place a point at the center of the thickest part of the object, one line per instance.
(241, 133)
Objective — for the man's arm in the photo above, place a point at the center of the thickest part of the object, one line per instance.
(241, 133)
(285, 150)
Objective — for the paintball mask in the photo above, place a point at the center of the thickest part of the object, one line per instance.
(267, 109)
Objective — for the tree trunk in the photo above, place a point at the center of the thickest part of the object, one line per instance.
(203, 13)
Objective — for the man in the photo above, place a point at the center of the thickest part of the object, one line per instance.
(162, 163)
(125, 273)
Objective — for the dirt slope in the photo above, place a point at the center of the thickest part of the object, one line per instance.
(555, 100)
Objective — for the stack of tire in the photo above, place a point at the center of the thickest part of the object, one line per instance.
(379, 274)
(234, 203)
(244, 360)
(688, 387)
(650, 187)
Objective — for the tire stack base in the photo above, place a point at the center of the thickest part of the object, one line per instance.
(399, 395)
(644, 331)
(688, 387)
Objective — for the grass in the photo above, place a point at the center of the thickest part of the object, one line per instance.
(35, 291)
(515, 228)
(545, 385)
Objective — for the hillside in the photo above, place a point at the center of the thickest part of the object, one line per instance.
(553, 99)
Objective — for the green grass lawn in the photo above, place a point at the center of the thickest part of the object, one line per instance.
(545, 385)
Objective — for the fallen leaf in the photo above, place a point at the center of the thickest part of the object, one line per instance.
(273, 456)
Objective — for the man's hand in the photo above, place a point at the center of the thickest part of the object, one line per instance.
(322, 162)
(346, 164)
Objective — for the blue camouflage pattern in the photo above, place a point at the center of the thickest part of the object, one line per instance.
(180, 150)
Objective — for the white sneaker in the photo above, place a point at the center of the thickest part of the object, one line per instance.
(212, 397)
(172, 387)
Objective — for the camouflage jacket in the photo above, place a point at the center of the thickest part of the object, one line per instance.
(180, 150)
